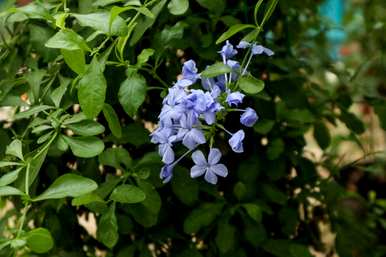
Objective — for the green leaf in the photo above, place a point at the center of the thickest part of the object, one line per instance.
(380, 110)
(68, 185)
(127, 194)
(32, 111)
(15, 148)
(322, 135)
(40, 240)
(215, 70)
(105, 2)
(9, 177)
(87, 128)
(75, 60)
(85, 147)
(202, 217)
(7, 190)
(178, 7)
(225, 238)
(112, 120)
(216, 6)
(6, 164)
(86, 199)
(146, 212)
(144, 56)
(108, 228)
(251, 85)
(352, 122)
(184, 187)
(100, 22)
(67, 39)
(263, 126)
(34, 79)
(92, 90)
(114, 157)
(233, 30)
(254, 211)
(132, 93)
(298, 250)
(274, 194)
(275, 148)
(58, 93)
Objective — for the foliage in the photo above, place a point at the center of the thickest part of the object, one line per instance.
(86, 80)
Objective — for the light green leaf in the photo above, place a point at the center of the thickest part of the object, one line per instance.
(112, 120)
(92, 90)
(87, 128)
(233, 30)
(58, 93)
(254, 211)
(132, 93)
(34, 79)
(216, 6)
(15, 148)
(144, 56)
(178, 7)
(67, 39)
(6, 164)
(114, 157)
(10, 177)
(108, 228)
(7, 190)
(86, 199)
(128, 194)
(32, 111)
(105, 2)
(75, 60)
(85, 147)
(251, 85)
(215, 70)
(100, 22)
(68, 185)
(40, 240)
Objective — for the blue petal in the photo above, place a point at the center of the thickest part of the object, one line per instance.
(199, 158)
(210, 177)
(168, 156)
(220, 170)
(197, 171)
(214, 156)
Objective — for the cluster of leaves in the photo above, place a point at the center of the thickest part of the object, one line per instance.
(84, 79)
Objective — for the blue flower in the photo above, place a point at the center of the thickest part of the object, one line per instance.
(193, 138)
(243, 44)
(235, 98)
(227, 51)
(236, 141)
(166, 173)
(189, 71)
(183, 83)
(249, 117)
(165, 138)
(259, 49)
(210, 168)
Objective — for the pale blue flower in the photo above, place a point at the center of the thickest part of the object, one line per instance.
(227, 51)
(210, 168)
(235, 98)
(236, 141)
(259, 49)
(249, 117)
(166, 173)
(189, 71)
(243, 44)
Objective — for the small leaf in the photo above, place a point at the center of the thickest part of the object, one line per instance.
(144, 56)
(68, 185)
(112, 120)
(7, 190)
(264, 126)
(225, 238)
(322, 135)
(87, 128)
(32, 111)
(114, 157)
(75, 60)
(85, 147)
(233, 30)
(128, 194)
(92, 90)
(86, 199)
(184, 187)
(254, 211)
(58, 93)
(100, 22)
(202, 217)
(67, 39)
(251, 85)
(15, 149)
(40, 240)
(275, 148)
(216, 6)
(108, 228)
(6, 164)
(178, 7)
(9, 177)
(215, 70)
(132, 93)
(352, 122)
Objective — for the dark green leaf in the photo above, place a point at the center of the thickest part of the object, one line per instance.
(226, 237)
(112, 120)
(352, 122)
(264, 126)
(108, 228)
(68, 185)
(216, 6)
(127, 194)
(144, 56)
(132, 93)
(85, 147)
(114, 157)
(233, 30)
(86, 128)
(75, 60)
(202, 217)
(100, 22)
(322, 135)
(254, 211)
(86, 199)
(184, 187)
(7, 190)
(275, 148)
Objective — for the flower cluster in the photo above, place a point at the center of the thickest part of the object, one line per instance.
(191, 113)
